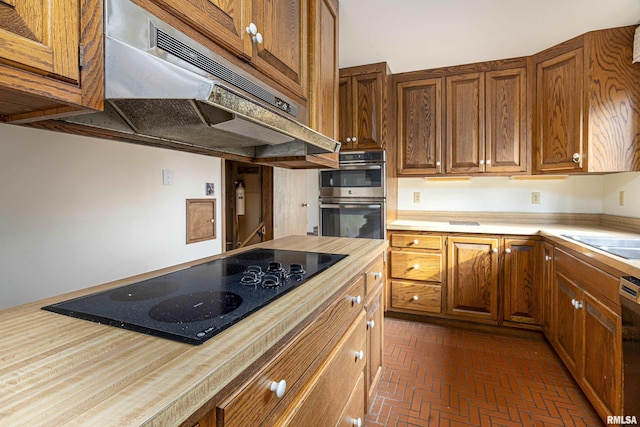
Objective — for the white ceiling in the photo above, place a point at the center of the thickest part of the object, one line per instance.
(421, 34)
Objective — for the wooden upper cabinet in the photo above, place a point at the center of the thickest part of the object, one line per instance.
(282, 54)
(559, 88)
(465, 123)
(224, 22)
(506, 121)
(362, 105)
(323, 70)
(419, 127)
(40, 62)
(42, 36)
(586, 90)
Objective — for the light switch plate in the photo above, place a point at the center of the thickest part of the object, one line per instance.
(535, 198)
(416, 197)
(167, 177)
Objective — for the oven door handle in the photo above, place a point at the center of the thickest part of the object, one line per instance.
(349, 206)
(359, 167)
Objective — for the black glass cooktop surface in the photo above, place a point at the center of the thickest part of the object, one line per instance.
(195, 304)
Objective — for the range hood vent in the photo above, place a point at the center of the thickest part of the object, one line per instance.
(162, 85)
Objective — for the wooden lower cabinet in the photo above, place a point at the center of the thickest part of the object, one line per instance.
(521, 281)
(472, 283)
(588, 331)
(374, 307)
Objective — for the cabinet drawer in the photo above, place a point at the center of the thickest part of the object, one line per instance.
(355, 408)
(416, 296)
(416, 241)
(375, 276)
(324, 398)
(416, 266)
(254, 402)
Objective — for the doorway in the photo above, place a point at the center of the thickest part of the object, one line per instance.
(255, 223)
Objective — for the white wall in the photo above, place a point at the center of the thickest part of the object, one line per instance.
(580, 194)
(78, 211)
(313, 192)
(628, 182)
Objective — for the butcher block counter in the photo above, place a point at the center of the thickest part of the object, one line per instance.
(59, 370)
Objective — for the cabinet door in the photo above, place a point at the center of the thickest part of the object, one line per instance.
(419, 119)
(506, 120)
(289, 201)
(559, 100)
(222, 21)
(367, 111)
(465, 123)
(375, 348)
(472, 286)
(567, 321)
(42, 37)
(521, 289)
(547, 300)
(282, 55)
(602, 356)
(345, 112)
(323, 71)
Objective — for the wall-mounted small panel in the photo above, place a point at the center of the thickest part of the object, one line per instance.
(201, 220)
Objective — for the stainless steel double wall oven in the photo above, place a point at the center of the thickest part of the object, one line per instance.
(353, 197)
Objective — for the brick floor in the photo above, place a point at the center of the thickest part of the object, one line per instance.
(447, 376)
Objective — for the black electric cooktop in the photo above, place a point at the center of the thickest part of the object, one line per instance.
(195, 304)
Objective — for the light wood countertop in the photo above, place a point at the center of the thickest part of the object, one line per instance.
(58, 370)
(552, 232)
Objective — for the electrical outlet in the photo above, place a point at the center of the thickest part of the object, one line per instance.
(167, 177)
(416, 197)
(621, 198)
(535, 198)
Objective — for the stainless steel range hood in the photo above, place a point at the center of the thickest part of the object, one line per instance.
(161, 84)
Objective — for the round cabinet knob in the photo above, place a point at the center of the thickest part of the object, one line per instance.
(576, 158)
(348, 139)
(508, 250)
(252, 29)
(415, 298)
(213, 220)
(494, 250)
(547, 258)
(305, 205)
(360, 355)
(488, 162)
(371, 324)
(279, 388)
(257, 38)
(356, 300)
(438, 163)
(416, 266)
(482, 162)
(415, 242)
(579, 305)
(573, 302)
(354, 139)
(357, 422)
(377, 275)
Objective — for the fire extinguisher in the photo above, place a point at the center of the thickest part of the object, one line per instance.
(240, 199)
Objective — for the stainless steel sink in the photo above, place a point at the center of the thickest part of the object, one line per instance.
(623, 247)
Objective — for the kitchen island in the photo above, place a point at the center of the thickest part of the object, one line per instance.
(58, 370)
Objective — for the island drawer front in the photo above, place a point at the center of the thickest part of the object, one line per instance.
(416, 296)
(253, 402)
(416, 241)
(328, 392)
(416, 266)
(375, 276)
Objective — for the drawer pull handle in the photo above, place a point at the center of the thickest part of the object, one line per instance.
(377, 275)
(415, 242)
(415, 298)
(279, 388)
(360, 355)
(357, 422)
(416, 266)
(371, 324)
(357, 299)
